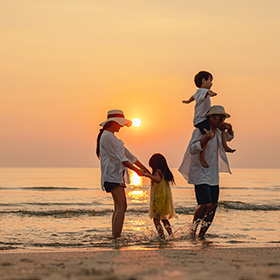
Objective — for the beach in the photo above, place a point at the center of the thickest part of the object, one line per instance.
(203, 262)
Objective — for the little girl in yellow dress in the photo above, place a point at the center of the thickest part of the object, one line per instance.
(161, 203)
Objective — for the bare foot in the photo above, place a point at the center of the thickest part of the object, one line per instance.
(203, 162)
(192, 233)
(201, 237)
(229, 150)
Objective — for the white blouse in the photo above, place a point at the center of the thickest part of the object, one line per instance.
(112, 155)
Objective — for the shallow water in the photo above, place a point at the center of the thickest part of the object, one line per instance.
(65, 208)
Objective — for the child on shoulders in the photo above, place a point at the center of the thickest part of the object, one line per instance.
(203, 80)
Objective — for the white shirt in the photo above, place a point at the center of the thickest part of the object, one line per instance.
(215, 155)
(112, 155)
(202, 105)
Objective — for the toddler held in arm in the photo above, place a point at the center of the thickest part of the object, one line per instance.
(203, 80)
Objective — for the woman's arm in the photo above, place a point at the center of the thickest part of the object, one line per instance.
(156, 177)
(141, 166)
(133, 167)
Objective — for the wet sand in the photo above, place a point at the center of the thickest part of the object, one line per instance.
(126, 264)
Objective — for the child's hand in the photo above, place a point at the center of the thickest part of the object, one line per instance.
(211, 93)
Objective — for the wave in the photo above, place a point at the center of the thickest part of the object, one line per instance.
(81, 211)
(238, 205)
(48, 204)
(58, 213)
(46, 188)
(97, 209)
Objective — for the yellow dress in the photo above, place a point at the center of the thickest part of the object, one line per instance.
(161, 202)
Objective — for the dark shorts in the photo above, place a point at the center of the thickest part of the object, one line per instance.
(110, 186)
(206, 194)
(202, 125)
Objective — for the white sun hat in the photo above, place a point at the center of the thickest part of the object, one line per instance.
(217, 110)
(118, 117)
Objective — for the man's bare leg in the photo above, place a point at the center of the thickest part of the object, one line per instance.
(198, 217)
(207, 220)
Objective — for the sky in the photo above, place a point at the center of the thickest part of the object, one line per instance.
(65, 63)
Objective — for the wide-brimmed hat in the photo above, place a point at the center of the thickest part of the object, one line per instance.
(117, 116)
(217, 110)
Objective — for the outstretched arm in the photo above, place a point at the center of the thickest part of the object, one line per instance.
(191, 99)
(133, 167)
(141, 166)
(210, 93)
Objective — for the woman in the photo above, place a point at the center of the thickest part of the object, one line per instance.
(114, 161)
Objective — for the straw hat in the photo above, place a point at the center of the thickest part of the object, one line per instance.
(117, 116)
(217, 110)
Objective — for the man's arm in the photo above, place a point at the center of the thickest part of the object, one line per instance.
(227, 127)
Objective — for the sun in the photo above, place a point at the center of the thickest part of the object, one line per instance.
(136, 122)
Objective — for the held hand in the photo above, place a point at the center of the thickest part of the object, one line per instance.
(140, 172)
(146, 171)
(146, 174)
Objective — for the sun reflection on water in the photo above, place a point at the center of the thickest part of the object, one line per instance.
(137, 194)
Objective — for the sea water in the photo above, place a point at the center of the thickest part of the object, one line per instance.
(50, 208)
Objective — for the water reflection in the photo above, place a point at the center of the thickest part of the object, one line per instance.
(136, 193)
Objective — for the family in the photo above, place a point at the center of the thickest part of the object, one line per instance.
(205, 157)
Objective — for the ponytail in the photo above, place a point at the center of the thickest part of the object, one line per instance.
(107, 125)
(98, 142)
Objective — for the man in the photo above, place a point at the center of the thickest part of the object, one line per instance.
(206, 180)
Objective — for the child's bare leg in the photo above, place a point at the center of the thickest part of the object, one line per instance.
(224, 142)
(159, 228)
(202, 159)
(167, 226)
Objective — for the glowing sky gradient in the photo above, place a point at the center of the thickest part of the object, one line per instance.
(65, 63)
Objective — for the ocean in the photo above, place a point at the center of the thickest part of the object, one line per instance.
(51, 208)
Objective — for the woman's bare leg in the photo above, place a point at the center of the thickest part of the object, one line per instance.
(120, 205)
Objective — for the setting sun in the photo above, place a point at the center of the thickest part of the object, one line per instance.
(136, 122)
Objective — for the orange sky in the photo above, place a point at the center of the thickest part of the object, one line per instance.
(65, 63)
